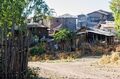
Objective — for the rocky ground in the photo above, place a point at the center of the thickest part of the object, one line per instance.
(84, 68)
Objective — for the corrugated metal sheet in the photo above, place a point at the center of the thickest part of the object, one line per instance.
(97, 31)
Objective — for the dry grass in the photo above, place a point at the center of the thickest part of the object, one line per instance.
(34, 58)
(58, 56)
(118, 48)
(40, 58)
(48, 57)
(114, 58)
(105, 59)
(62, 55)
(70, 55)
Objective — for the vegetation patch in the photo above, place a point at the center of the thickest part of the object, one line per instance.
(56, 56)
(33, 73)
(114, 58)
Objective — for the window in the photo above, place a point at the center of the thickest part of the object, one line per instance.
(57, 20)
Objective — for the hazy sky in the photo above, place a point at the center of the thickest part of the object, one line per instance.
(76, 7)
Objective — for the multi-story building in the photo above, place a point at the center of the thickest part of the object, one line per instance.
(94, 18)
(108, 26)
(82, 21)
(98, 17)
(65, 21)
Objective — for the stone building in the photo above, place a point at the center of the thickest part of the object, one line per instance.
(65, 21)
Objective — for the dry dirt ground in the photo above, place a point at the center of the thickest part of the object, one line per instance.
(84, 68)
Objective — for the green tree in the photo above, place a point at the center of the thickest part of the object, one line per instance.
(10, 14)
(118, 34)
(40, 9)
(15, 12)
(115, 7)
(64, 37)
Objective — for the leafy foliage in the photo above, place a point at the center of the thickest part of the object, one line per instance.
(40, 8)
(10, 14)
(14, 12)
(115, 7)
(38, 50)
(32, 73)
(118, 33)
(62, 35)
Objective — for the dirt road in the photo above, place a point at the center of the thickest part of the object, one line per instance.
(79, 69)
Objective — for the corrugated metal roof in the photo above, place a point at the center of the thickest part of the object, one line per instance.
(101, 11)
(35, 25)
(101, 33)
(97, 31)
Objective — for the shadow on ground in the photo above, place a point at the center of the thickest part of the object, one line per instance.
(42, 78)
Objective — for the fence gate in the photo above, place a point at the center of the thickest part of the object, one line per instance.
(13, 53)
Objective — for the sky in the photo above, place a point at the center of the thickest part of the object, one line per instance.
(76, 7)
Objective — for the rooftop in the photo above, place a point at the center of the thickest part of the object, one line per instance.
(101, 11)
(97, 31)
(29, 25)
(67, 16)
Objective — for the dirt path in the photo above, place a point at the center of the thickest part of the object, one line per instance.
(79, 69)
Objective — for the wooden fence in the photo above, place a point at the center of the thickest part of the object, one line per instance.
(13, 53)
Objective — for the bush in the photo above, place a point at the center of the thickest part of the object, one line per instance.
(34, 51)
(38, 50)
(32, 74)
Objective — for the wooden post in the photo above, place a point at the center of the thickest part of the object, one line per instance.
(106, 39)
(93, 38)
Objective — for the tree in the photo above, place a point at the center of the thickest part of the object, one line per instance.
(10, 14)
(15, 12)
(115, 7)
(64, 37)
(40, 9)
(118, 34)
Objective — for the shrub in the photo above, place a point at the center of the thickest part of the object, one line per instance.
(37, 50)
(34, 51)
(32, 74)
(41, 50)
